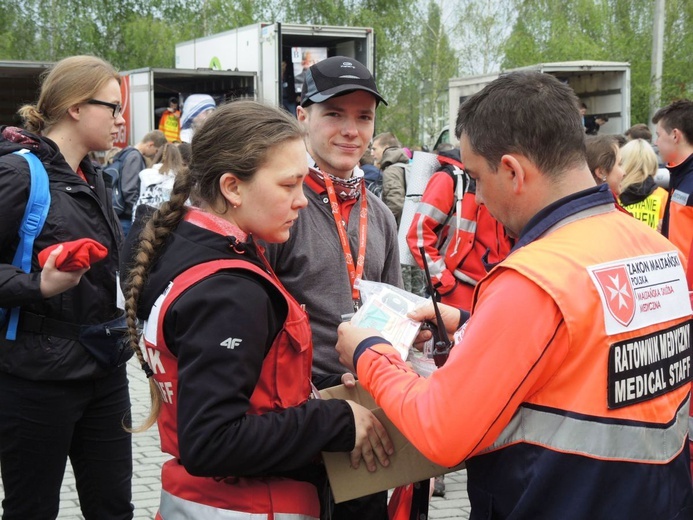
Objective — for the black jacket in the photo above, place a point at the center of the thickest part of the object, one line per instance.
(638, 192)
(78, 209)
(215, 436)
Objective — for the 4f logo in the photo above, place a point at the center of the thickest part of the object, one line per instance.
(231, 342)
(618, 293)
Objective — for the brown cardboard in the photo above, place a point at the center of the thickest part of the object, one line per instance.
(407, 464)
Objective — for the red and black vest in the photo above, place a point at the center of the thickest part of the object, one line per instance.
(284, 382)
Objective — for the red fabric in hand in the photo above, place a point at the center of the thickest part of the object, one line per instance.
(75, 255)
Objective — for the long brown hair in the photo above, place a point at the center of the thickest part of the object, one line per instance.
(170, 158)
(238, 137)
(601, 154)
(69, 82)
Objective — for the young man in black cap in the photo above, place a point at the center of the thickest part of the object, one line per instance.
(346, 232)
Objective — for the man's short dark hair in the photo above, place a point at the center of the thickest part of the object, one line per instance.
(639, 131)
(678, 115)
(388, 140)
(528, 113)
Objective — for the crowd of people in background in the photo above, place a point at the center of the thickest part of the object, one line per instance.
(226, 248)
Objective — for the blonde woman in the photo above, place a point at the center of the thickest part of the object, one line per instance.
(640, 196)
(56, 400)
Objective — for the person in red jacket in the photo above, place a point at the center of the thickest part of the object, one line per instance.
(460, 237)
(567, 391)
(227, 349)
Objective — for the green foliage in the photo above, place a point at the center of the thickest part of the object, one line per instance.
(610, 30)
(419, 45)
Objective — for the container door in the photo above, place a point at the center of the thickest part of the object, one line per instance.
(142, 107)
(270, 56)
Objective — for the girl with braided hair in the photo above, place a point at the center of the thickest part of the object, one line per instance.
(227, 349)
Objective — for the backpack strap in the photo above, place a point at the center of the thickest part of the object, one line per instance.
(35, 215)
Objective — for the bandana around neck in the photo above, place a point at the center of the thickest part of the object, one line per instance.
(346, 189)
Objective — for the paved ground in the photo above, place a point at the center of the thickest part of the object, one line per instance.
(148, 459)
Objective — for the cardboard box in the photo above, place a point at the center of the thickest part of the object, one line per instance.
(407, 464)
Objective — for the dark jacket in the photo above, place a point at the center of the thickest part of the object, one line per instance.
(78, 209)
(638, 192)
(235, 303)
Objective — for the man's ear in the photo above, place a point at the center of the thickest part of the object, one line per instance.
(515, 166)
(677, 135)
(302, 114)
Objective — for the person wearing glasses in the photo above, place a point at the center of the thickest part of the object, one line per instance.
(130, 162)
(56, 400)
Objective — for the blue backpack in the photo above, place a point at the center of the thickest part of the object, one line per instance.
(32, 223)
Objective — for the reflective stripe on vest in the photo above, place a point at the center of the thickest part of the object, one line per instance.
(176, 508)
(569, 433)
(464, 278)
(430, 210)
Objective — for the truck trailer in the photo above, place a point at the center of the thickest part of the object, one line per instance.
(148, 89)
(603, 86)
(262, 47)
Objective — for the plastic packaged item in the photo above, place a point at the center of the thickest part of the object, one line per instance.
(422, 364)
(385, 308)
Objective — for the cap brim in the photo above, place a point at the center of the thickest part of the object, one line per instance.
(339, 90)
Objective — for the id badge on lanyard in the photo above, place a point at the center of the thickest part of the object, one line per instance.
(355, 271)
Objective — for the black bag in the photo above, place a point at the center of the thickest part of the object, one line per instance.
(113, 172)
(108, 342)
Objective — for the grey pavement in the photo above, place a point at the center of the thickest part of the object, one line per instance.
(147, 460)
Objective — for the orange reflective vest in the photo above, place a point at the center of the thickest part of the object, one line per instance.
(622, 392)
(603, 420)
(169, 124)
(284, 382)
(678, 217)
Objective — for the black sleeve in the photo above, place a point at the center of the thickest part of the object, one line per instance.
(222, 328)
(322, 381)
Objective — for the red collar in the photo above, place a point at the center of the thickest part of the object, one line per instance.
(214, 223)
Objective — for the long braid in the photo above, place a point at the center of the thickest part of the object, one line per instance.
(238, 136)
(153, 236)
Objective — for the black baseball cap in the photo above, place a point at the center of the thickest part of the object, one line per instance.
(336, 76)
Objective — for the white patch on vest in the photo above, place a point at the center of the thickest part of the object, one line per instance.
(680, 197)
(151, 324)
(641, 291)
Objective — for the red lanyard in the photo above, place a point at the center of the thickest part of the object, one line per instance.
(354, 272)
